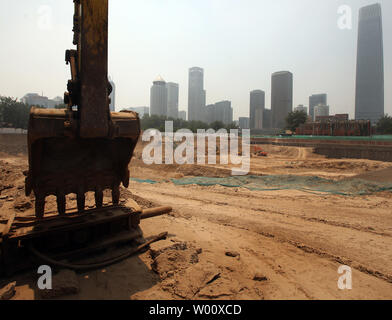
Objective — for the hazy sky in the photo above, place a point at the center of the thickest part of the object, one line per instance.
(239, 43)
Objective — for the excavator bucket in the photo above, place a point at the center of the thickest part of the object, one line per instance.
(83, 147)
(61, 164)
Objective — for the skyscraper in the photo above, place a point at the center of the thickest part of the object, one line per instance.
(220, 111)
(112, 96)
(315, 100)
(369, 91)
(224, 112)
(172, 100)
(196, 94)
(256, 110)
(182, 115)
(158, 97)
(267, 119)
(281, 97)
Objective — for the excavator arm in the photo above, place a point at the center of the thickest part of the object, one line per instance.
(84, 147)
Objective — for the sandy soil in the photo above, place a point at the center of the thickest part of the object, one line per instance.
(232, 243)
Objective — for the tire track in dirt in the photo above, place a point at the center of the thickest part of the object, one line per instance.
(269, 211)
(280, 232)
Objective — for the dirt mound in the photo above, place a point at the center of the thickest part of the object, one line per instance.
(157, 172)
(171, 256)
(13, 144)
(341, 165)
(185, 275)
(279, 151)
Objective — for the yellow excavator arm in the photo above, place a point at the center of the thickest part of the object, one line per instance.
(84, 147)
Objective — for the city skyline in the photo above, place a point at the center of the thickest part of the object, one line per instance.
(234, 65)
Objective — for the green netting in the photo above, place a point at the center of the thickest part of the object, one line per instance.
(285, 182)
(144, 180)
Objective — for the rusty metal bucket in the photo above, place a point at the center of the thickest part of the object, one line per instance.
(61, 162)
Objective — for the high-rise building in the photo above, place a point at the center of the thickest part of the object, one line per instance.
(196, 95)
(243, 122)
(158, 97)
(210, 113)
(224, 112)
(301, 107)
(321, 110)
(315, 100)
(220, 111)
(182, 115)
(267, 119)
(281, 97)
(369, 91)
(256, 110)
(112, 96)
(172, 100)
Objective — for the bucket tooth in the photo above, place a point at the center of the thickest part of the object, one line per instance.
(126, 178)
(116, 195)
(99, 197)
(39, 206)
(61, 203)
(81, 200)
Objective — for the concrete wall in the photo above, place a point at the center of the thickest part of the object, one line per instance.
(12, 131)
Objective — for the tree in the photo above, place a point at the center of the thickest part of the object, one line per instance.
(384, 125)
(13, 113)
(60, 106)
(158, 122)
(295, 119)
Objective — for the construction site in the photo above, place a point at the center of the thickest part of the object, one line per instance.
(85, 214)
(279, 233)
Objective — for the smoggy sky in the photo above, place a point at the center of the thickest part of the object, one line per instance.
(238, 43)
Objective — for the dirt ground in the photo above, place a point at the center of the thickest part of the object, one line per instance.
(234, 243)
